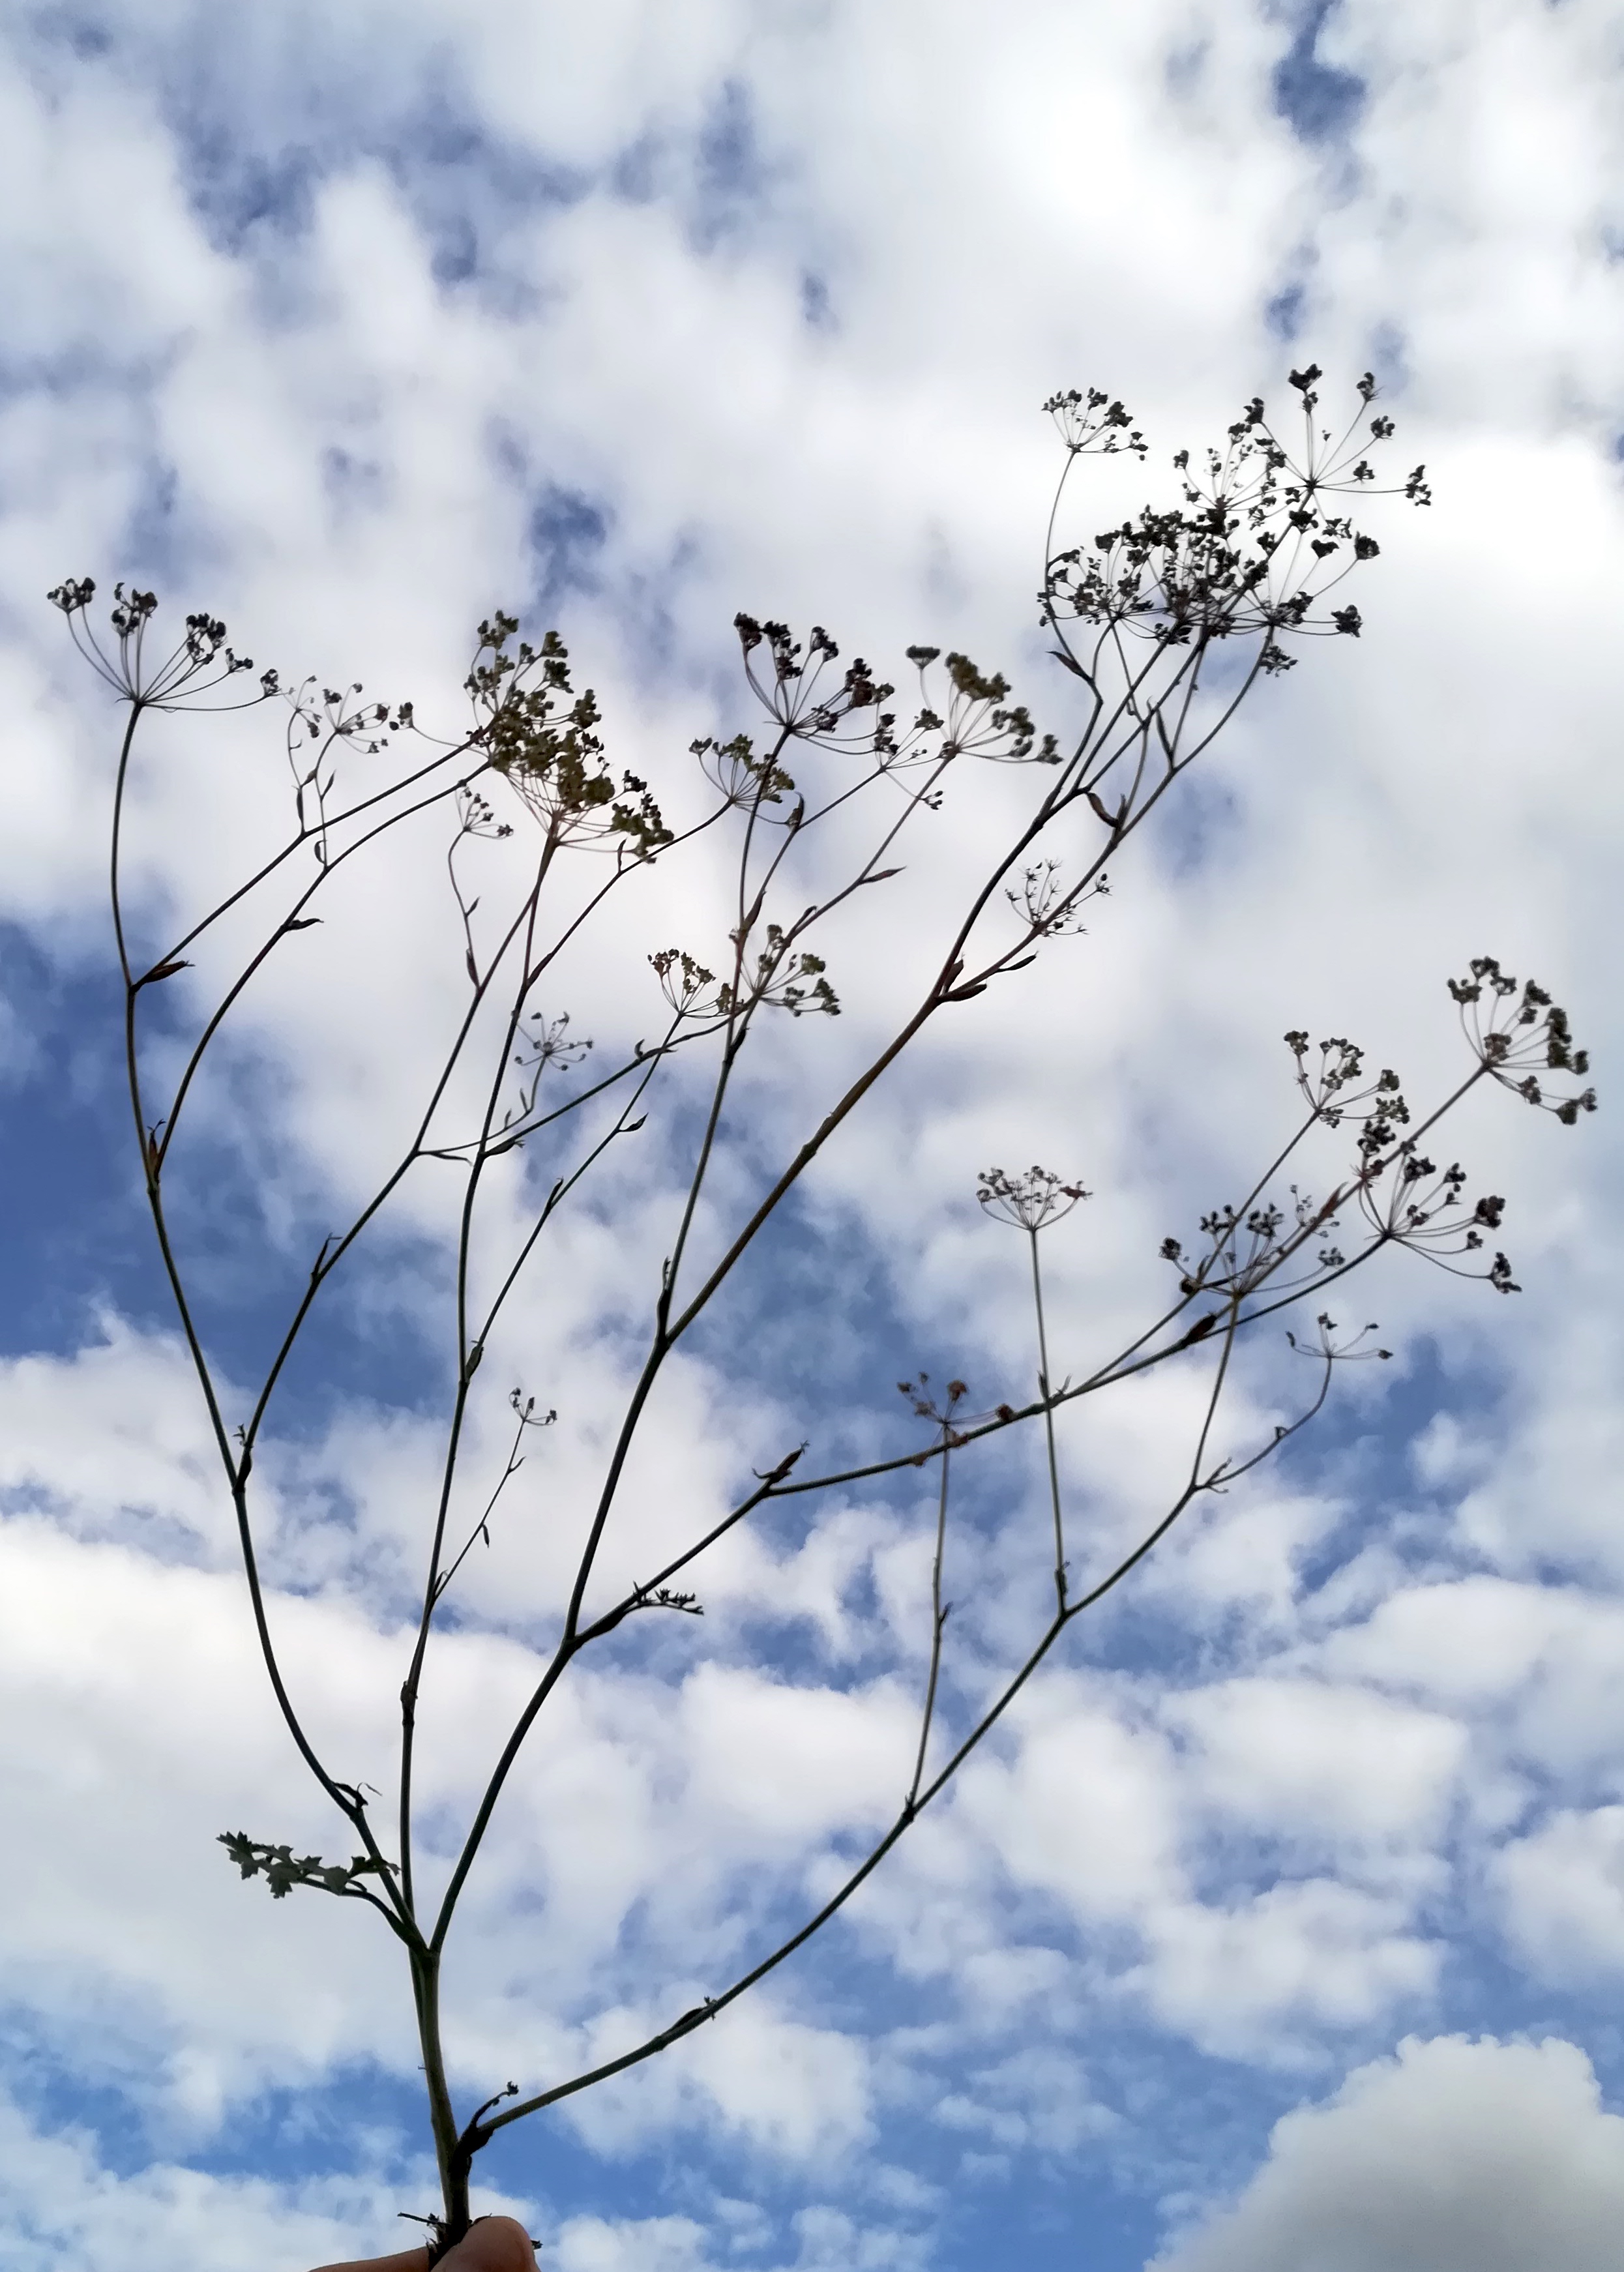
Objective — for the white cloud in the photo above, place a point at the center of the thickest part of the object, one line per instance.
(1562, 1892)
(824, 2240)
(1295, 1757)
(668, 2243)
(1086, 1811)
(163, 1735)
(1453, 2156)
(1039, 2096)
(148, 1466)
(1257, 1977)
(58, 2200)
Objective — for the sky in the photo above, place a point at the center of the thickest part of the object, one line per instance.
(1280, 1927)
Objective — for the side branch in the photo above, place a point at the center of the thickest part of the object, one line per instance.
(919, 1796)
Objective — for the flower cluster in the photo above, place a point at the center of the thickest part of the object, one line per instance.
(782, 978)
(199, 664)
(790, 679)
(971, 717)
(541, 735)
(1516, 1036)
(1255, 546)
(1029, 1201)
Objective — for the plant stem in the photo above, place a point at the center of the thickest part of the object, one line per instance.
(1055, 1466)
(454, 2165)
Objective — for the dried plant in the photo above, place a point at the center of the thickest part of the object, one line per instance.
(1166, 622)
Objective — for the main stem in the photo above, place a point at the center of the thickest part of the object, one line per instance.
(454, 2165)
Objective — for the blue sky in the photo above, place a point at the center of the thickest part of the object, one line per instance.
(1284, 1927)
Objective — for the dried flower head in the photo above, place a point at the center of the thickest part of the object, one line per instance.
(542, 737)
(1516, 1036)
(1255, 546)
(1031, 1201)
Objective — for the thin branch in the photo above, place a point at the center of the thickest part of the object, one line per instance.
(938, 1614)
(1048, 1404)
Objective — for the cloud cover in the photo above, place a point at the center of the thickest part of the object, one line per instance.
(353, 325)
